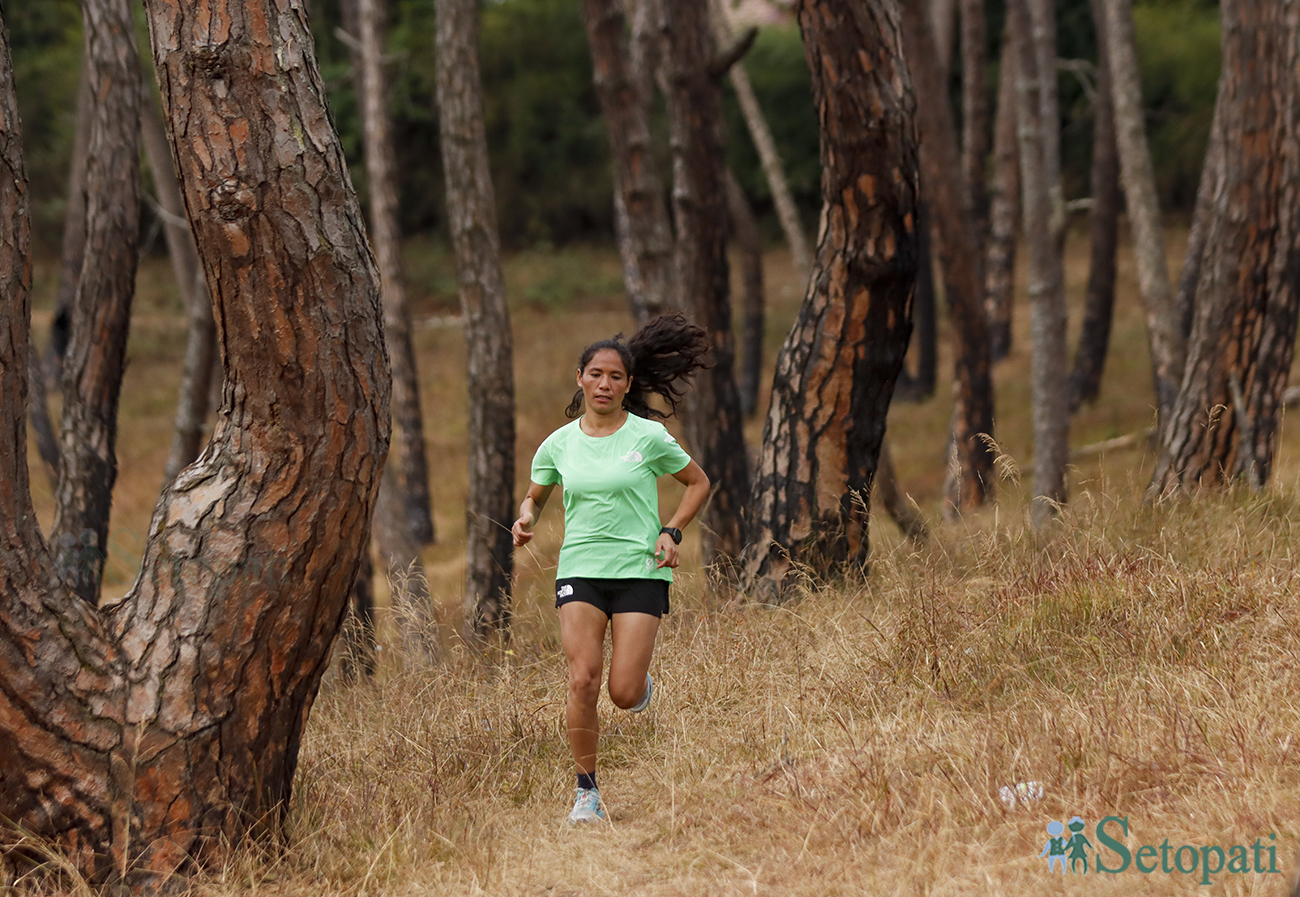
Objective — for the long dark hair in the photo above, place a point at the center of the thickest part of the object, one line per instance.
(660, 358)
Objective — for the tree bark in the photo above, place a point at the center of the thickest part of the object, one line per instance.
(836, 370)
(645, 235)
(1004, 209)
(773, 169)
(943, 17)
(1033, 24)
(471, 207)
(147, 737)
(753, 323)
(1099, 303)
(101, 309)
(975, 114)
(713, 419)
(1224, 424)
(920, 386)
(415, 506)
(195, 399)
(960, 261)
(1168, 347)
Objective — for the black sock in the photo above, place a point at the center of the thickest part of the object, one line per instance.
(587, 779)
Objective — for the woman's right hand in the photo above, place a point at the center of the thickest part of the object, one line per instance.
(521, 531)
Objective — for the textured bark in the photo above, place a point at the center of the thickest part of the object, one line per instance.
(836, 370)
(1004, 209)
(773, 169)
(645, 236)
(1168, 348)
(961, 265)
(149, 736)
(408, 455)
(753, 317)
(471, 207)
(1224, 423)
(199, 366)
(1207, 200)
(101, 309)
(920, 386)
(1033, 25)
(975, 114)
(713, 419)
(1099, 303)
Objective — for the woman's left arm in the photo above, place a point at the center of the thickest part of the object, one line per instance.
(696, 481)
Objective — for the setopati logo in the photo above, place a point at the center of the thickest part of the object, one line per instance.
(1070, 847)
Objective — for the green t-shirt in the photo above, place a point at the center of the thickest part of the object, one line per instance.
(611, 501)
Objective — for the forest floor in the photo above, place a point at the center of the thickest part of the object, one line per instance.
(1132, 661)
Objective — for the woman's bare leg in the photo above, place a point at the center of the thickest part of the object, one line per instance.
(582, 630)
(634, 647)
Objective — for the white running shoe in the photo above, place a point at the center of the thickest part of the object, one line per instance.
(586, 808)
(645, 698)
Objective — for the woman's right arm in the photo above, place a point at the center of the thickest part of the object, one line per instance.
(529, 510)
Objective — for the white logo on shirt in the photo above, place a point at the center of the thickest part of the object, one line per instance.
(649, 563)
(632, 457)
(668, 437)
(565, 591)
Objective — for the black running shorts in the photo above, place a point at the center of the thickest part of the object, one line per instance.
(615, 596)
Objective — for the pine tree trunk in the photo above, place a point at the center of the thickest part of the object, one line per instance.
(147, 737)
(836, 370)
(753, 324)
(1004, 209)
(713, 419)
(1099, 303)
(645, 235)
(1168, 348)
(1224, 424)
(195, 398)
(1033, 24)
(101, 309)
(960, 262)
(975, 114)
(471, 207)
(408, 455)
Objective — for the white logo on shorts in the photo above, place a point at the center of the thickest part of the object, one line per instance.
(631, 457)
(565, 591)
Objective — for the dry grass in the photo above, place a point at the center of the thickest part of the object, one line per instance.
(1136, 661)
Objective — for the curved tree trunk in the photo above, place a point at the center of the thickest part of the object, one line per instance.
(195, 399)
(753, 324)
(645, 235)
(1004, 209)
(960, 261)
(1224, 424)
(101, 309)
(1168, 348)
(471, 208)
(1034, 27)
(713, 419)
(835, 373)
(1099, 303)
(415, 506)
(151, 735)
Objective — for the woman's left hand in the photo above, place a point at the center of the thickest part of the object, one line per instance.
(666, 551)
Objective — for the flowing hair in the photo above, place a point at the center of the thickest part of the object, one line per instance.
(660, 358)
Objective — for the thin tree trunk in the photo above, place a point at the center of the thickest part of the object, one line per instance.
(645, 235)
(1099, 304)
(1224, 424)
(101, 310)
(1168, 348)
(943, 17)
(835, 373)
(1004, 209)
(925, 308)
(152, 736)
(752, 325)
(1044, 211)
(773, 169)
(897, 505)
(471, 207)
(195, 399)
(408, 583)
(713, 419)
(975, 114)
(408, 453)
(960, 262)
(1208, 198)
(359, 646)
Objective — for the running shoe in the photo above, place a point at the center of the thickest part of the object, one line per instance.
(587, 807)
(645, 698)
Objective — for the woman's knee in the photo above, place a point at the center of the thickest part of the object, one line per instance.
(584, 682)
(627, 693)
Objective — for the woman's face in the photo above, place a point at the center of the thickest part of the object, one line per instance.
(604, 382)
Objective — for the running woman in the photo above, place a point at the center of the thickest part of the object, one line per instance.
(616, 561)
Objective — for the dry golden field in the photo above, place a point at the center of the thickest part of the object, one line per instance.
(1134, 661)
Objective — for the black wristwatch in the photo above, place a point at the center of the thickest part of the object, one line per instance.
(674, 532)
